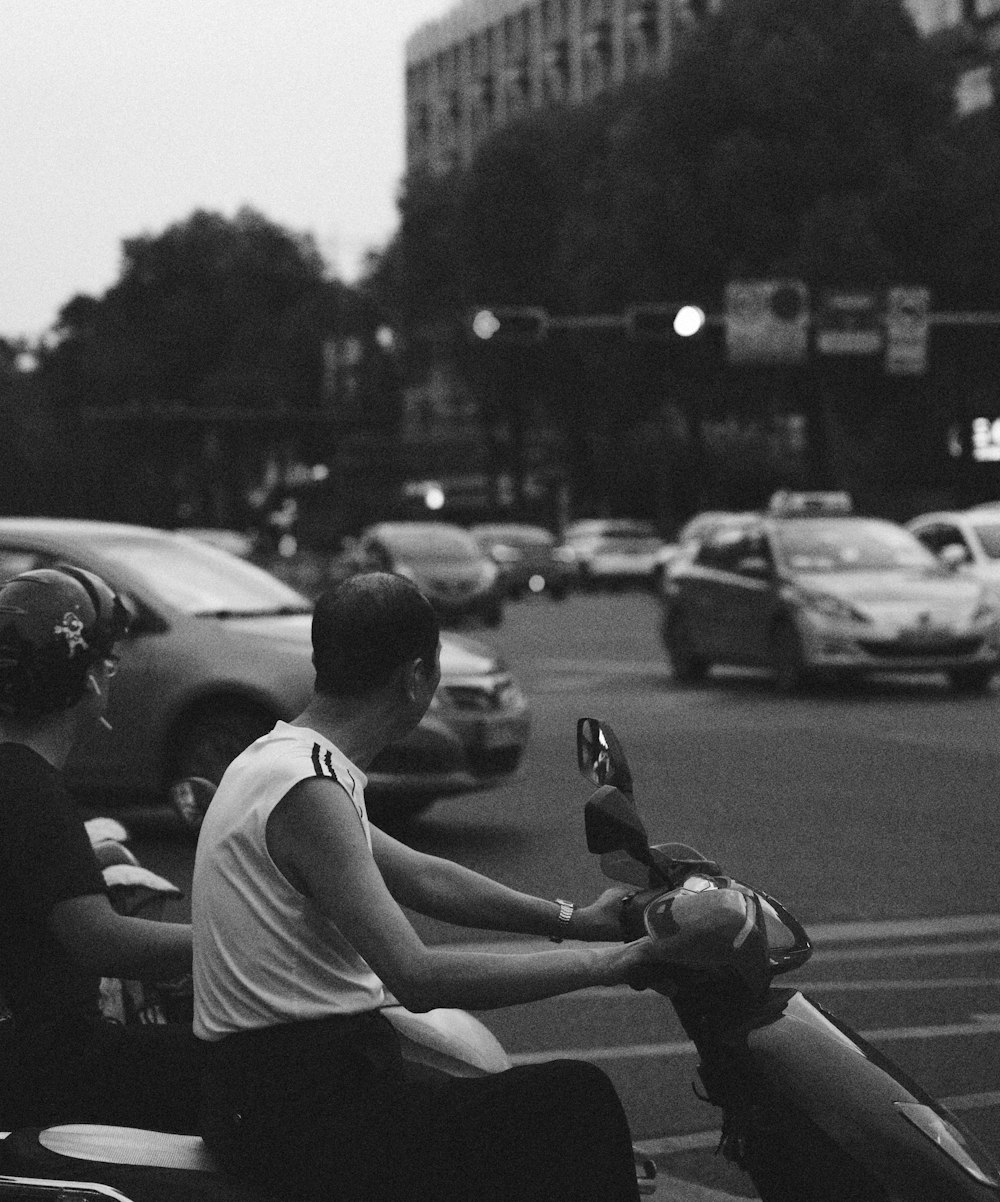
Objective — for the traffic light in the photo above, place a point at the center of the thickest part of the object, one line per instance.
(523, 325)
(664, 323)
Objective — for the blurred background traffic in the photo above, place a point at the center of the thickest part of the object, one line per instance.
(675, 387)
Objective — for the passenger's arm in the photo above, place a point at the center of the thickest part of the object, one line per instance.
(453, 893)
(100, 940)
(315, 838)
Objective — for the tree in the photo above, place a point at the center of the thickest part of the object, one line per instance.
(211, 311)
(213, 314)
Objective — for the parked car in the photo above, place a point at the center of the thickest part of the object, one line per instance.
(444, 561)
(967, 539)
(527, 558)
(612, 551)
(809, 589)
(219, 649)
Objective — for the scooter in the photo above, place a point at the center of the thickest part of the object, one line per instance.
(811, 1111)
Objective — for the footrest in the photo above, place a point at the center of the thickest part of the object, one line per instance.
(128, 1145)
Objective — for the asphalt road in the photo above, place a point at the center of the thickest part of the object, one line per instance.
(870, 813)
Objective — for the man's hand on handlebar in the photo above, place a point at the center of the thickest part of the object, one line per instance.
(602, 919)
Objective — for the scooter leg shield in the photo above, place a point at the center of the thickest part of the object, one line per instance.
(882, 1121)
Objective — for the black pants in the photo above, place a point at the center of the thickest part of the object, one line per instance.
(329, 1109)
(100, 1072)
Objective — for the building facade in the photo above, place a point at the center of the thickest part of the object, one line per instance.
(488, 62)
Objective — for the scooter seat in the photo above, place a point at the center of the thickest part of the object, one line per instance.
(128, 1145)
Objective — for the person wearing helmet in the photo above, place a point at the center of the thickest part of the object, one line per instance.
(60, 1061)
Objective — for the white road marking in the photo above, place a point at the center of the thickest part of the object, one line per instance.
(904, 951)
(673, 1145)
(827, 938)
(981, 1024)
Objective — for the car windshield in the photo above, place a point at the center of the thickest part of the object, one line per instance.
(612, 529)
(203, 581)
(518, 536)
(854, 545)
(988, 534)
(432, 542)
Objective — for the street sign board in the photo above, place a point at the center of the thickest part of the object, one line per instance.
(849, 322)
(907, 320)
(767, 321)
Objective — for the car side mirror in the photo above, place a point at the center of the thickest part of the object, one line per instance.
(754, 565)
(140, 619)
(600, 756)
(953, 555)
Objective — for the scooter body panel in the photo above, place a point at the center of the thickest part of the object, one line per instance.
(450, 1040)
(859, 1098)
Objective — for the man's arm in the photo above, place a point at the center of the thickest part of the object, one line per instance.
(450, 892)
(316, 840)
(100, 940)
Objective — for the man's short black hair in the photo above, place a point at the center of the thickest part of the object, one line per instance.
(367, 627)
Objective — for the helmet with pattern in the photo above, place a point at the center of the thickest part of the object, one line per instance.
(56, 624)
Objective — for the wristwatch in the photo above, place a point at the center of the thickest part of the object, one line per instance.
(566, 909)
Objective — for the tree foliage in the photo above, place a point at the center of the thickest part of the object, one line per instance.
(809, 138)
(211, 311)
(814, 137)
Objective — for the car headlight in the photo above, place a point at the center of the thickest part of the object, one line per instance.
(501, 553)
(988, 609)
(827, 604)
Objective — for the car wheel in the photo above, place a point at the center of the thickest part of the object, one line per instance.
(493, 613)
(213, 736)
(688, 666)
(787, 660)
(557, 592)
(971, 680)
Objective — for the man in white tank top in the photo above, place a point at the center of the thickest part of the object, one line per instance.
(300, 933)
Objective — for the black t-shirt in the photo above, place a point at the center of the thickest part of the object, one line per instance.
(45, 858)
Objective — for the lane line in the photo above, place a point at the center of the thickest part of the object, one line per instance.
(904, 928)
(867, 985)
(985, 1024)
(825, 934)
(673, 1145)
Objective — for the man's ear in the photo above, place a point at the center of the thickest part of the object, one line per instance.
(410, 676)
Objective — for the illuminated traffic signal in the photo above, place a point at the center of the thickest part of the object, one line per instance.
(523, 325)
(664, 323)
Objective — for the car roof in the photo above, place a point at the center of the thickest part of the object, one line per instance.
(488, 529)
(978, 512)
(85, 528)
(609, 525)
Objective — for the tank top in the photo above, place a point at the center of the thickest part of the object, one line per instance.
(263, 953)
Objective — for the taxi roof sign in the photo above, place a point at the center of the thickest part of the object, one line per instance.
(786, 503)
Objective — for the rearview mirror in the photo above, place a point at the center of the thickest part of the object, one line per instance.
(754, 565)
(953, 555)
(600, 757)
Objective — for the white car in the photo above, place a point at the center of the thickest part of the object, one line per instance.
(613, 550)
(814, 591)
(218, 649)
(967, 540)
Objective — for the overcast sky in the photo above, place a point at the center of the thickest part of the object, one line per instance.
(120, 117)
